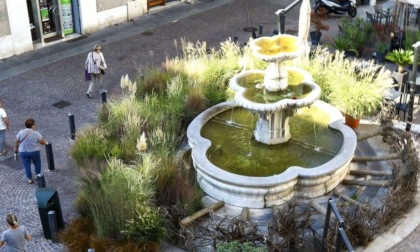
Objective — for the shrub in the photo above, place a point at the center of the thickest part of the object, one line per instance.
(154, 82)
(146, 226)
(354, 92)
(113, 196)
(77, 234)
(235, 246)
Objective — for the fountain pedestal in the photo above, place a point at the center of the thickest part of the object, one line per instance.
(273, 127)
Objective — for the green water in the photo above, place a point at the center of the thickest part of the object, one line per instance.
(234, 149)
(295, 89)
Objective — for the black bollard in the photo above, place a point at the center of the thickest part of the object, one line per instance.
(50, 156)
(254, 35)
(41, 181)
(72, 127)
(275, 32)
(103, 95)
(235, 39)
(260, 30)
(52, 223)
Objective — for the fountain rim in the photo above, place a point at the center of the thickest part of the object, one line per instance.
(281, 104)
(281, 56)
(200, 146)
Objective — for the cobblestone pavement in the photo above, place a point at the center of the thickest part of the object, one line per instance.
(31, 83)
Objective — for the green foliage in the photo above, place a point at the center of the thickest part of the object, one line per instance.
(113, 196)
(401, 57)
(147, 225)
(381, 46)
(175, 186)
(354, 94)
(235, 246)
(90, 142)
(343, 44)
(411, 37)
(154, 82)
(358, 31)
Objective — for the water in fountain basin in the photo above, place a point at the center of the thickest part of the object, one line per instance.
(256, 93)
(233, 144)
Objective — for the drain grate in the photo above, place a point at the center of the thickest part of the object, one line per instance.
(146, 33)
(61, 104)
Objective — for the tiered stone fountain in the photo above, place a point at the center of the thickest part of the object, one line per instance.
(274, 95)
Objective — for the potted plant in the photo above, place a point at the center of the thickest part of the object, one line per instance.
(358, 31)
(317, 20)
(355, 95)
(401, 58)
(343, 44)
(381, 49)
(382, 42)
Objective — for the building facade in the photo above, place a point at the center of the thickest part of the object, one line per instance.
(28, 24)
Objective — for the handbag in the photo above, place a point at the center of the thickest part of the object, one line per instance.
(88, 77)
(102, 71)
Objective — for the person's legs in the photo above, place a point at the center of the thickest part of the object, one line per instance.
(2, 141)
(96, 80)
(91, 85)
(26, 161)
(36, 159)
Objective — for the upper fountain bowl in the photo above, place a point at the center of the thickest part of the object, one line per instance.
(277, 48)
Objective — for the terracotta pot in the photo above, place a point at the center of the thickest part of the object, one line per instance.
(352, 122)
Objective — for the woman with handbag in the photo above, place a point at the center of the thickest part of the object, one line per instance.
(27, 142)
(95, 65)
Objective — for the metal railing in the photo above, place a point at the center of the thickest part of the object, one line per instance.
(341, 234)
(416, 47)
(281, 18)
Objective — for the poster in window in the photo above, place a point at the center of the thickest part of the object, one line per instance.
(67, 16)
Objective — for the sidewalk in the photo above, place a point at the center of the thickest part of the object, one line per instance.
(36, 83)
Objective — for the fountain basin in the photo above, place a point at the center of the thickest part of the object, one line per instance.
(274, 108)
(261, 192)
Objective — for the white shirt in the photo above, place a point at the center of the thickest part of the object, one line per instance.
(2, 115)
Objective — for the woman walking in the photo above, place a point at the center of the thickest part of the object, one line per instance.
(15, 237)
(27, 142)
(95, 65)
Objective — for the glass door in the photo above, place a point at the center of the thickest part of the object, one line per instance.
(48, 15)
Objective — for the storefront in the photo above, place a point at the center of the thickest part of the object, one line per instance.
(26, 25)
(52, 19)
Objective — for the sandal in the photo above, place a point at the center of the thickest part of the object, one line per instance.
(30, 181)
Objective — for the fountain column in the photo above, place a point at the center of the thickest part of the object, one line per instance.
(273, 128)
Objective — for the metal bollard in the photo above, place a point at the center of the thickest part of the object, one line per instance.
(260, 30)
(254, 35)
(103, 95)
(50, 156)
(72, 126)
(41, 181)
(52, 222)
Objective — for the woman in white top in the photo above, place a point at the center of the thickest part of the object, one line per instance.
(15, 236)
(95, 63)
(4, 125)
